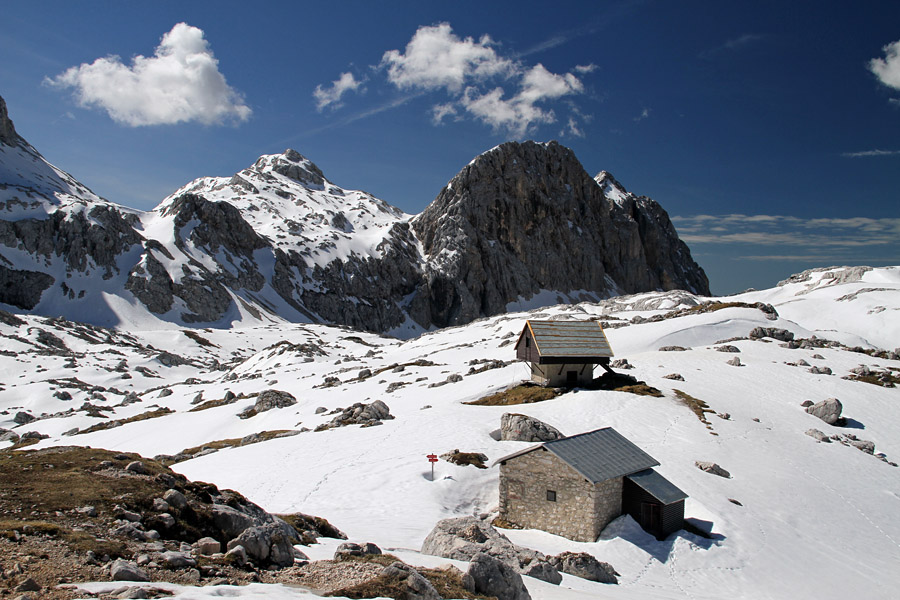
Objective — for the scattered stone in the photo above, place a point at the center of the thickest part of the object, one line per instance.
(164, 393)
(673, 349)
(177, 560)
(22, 418)
(267, 400)
(782, 335)
(818, 357)
(62, 395)
(320, 410)
(674, 377)
(175, 499)
(7, 435)
(522, 428)
(89, 511)
(267, 544)
(456, 457)
(806, 403)
(207, 546)
(713, 468)
(586, 566)
(364, 374)
(733, 501)
(727, 348)
(621, 363)
(865, 445)
(492, 577)
(818, 435)
(160, 505)
(366, 415)
(724, 416)
(123, 570)
(29, 585)
(828, 410)
(137, 467)
(820, 370)
(735, 362)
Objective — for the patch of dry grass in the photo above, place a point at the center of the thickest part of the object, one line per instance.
(525, 393)
(697, 406)
(198, 338)
(214, 403)
(150, 414)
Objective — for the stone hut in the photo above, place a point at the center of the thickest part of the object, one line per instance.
(563, 353)
(575, 486)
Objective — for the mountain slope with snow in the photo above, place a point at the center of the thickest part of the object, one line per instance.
(798, 518)
(278, 242)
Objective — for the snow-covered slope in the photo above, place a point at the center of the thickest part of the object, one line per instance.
(798, 518)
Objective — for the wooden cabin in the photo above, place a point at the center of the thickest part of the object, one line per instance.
(563, 353)
(575, 486)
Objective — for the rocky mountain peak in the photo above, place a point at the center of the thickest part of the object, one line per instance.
(292, 165)
(8, 133)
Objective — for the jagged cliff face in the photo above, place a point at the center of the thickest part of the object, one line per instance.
(279, 242)
(526, 218)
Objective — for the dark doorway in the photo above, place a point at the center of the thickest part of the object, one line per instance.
(571, 378)
(650, 516)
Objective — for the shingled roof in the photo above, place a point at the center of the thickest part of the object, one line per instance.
(597, 455)
(567, 339)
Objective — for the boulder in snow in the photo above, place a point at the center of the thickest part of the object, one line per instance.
(522, 428)
(828, 410)
(713, 468)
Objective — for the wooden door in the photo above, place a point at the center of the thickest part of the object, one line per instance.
(651, 516)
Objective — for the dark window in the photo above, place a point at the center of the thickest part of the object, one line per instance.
(527, 341)
(571, 378)
(551, 496)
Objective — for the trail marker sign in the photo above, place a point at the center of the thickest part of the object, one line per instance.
(432, 458)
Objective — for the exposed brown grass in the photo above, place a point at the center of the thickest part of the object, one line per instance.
(447, 582)
(198, 338)
(697, 406)
(150, 414)
(526, 393)
(264, 436)
(214, 403)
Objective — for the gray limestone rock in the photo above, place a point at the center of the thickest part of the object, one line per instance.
(269, 399)
(177, 560)
(713, 468)
(123, 570)
(586, 566)
(727, 348)
(735, 362)
(266, 545)
(207, 546)
(22, 418)
(782, 335)
(494, 578)
(522, 428)
(828, 410)
(175, 499)
(818, 435)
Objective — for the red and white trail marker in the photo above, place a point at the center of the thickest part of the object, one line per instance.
(432, 458)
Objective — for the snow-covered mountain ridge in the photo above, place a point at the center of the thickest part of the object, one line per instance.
(776, 523)
(278, 242)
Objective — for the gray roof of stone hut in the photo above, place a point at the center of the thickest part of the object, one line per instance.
(568, 339)
(657, 486)
(597, 455)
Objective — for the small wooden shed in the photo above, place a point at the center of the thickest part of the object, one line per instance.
(563, 353)
(575, 486)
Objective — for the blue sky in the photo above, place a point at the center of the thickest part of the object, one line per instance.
(770, 131)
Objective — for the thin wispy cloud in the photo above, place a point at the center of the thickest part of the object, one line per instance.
(868, 153)
(180, 83)
(733, 44)
(788, 231)
(475, 81)
(331, 95)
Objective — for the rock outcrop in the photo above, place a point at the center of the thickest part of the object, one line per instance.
(522, 428)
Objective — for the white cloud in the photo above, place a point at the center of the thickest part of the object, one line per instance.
(332, 95)
(181, 82)
(439, 111)
(474, 77)
(644, 114)
(436, 58)
(574, 129)
(887, 69)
